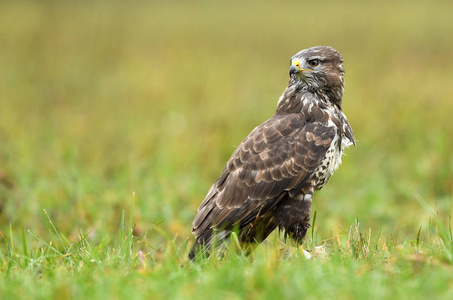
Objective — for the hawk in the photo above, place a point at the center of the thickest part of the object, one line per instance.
(269, 180)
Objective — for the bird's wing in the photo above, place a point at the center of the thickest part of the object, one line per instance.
(278, 156)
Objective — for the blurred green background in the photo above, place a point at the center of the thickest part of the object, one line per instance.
(100, 99)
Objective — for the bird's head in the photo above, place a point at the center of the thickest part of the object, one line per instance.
(318, 69)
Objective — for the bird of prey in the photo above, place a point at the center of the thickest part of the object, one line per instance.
(270, 178)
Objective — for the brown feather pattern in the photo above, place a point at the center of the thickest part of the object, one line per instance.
(270, 177)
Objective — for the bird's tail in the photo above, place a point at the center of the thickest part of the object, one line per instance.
(208, 240)
(196, 249)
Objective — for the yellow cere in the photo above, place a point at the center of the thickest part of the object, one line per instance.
(295, 62)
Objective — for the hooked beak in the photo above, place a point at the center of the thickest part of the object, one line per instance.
(293, 70)
(295, 67)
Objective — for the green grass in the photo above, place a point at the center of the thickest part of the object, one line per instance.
(355, 265)
(116, 117)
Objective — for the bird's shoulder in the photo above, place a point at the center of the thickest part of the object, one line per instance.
(285, 135)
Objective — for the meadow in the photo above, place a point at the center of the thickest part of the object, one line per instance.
(116, 117)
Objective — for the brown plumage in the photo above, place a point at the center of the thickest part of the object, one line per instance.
(269, 180)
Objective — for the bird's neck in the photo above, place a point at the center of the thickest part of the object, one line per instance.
(296, 95)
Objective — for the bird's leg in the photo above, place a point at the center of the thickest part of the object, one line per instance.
(306, 208)
(303, 208)
(293, 215)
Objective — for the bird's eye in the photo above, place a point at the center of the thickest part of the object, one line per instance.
(313, 62)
